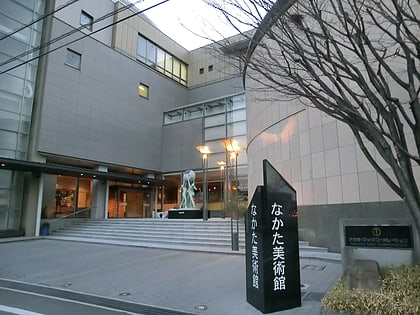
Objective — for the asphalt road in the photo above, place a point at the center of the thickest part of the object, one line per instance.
(151, 281)
(24, 303)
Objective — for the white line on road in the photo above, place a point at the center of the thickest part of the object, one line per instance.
(17, 311)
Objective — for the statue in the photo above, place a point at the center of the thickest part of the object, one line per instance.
(188, 190)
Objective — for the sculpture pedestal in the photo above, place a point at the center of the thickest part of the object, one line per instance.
(185, 213)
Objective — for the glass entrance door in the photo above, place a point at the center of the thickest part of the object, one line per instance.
(129, 203)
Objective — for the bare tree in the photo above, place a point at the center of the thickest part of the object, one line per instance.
(355, 60)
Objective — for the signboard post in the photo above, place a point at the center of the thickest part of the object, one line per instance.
(272, 245)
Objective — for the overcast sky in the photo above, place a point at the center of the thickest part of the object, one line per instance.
(177, 18)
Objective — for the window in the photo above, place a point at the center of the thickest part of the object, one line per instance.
(86, 20)
(193, 112)
(141, 49)
(73, 59)
(161, 60)
(173, 117)
(151, 52)
(184, 71)
(201, 71)
(210, 68)
(143, 90)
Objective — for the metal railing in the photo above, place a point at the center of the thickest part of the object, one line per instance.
(72, 214)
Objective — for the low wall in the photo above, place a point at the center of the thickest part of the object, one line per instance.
(319, 224)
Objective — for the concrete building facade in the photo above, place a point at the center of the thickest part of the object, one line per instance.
(97, 141)
(317, 154)
(105, 121)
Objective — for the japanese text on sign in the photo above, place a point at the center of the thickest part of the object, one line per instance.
(279, 261)
(254, 248)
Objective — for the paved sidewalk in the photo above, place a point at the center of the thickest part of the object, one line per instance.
(187, 281)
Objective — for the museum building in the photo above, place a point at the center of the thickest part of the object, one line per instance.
(101, 113)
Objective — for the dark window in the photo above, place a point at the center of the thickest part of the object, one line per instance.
(73, 58)
(86, 20)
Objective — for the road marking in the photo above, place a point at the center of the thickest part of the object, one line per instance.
(17, 311)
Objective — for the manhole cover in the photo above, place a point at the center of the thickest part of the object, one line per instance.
(124, 294)
(66, 285)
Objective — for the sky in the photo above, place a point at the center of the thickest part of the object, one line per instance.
(180, 19)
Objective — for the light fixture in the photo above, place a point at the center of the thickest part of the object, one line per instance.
(232, 146)
(203, 150)
(221, 164)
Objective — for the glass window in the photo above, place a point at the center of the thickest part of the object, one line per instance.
(215, 107)
(143, 90)
(73, 59)
(8, 140)
(176, 69)
(151, 54)
(214, 133)
(193, 112)
(237, 129)
(168, 64)
(86, 20)
(184, 72)
(5, 178)
(215, 120)
(238, 102)
(173, 117)
(10, 121)
(141, 49)
(237, 115)
(160, 60)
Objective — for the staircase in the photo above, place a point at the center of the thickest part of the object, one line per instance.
(213, 235)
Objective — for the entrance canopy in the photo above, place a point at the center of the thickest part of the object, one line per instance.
(58, 169)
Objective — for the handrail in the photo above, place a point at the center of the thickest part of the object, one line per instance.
(70, 214)
(73, 214)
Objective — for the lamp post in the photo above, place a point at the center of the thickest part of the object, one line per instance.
(222, 185)
(204, 150)
(233, 147)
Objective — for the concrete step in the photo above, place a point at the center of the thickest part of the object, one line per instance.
(163, 233)
(169, 241)
(188, 233)
(147, 234)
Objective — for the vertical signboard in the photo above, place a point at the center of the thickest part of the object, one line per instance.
(272, 246)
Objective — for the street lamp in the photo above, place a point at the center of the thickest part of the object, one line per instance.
(233, 147)
(204, 150)
(222, 186)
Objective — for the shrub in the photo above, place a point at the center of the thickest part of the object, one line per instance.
(399, 295)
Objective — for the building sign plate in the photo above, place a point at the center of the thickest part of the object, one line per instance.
(377, 236)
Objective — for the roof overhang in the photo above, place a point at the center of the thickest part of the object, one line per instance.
(58, 169)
